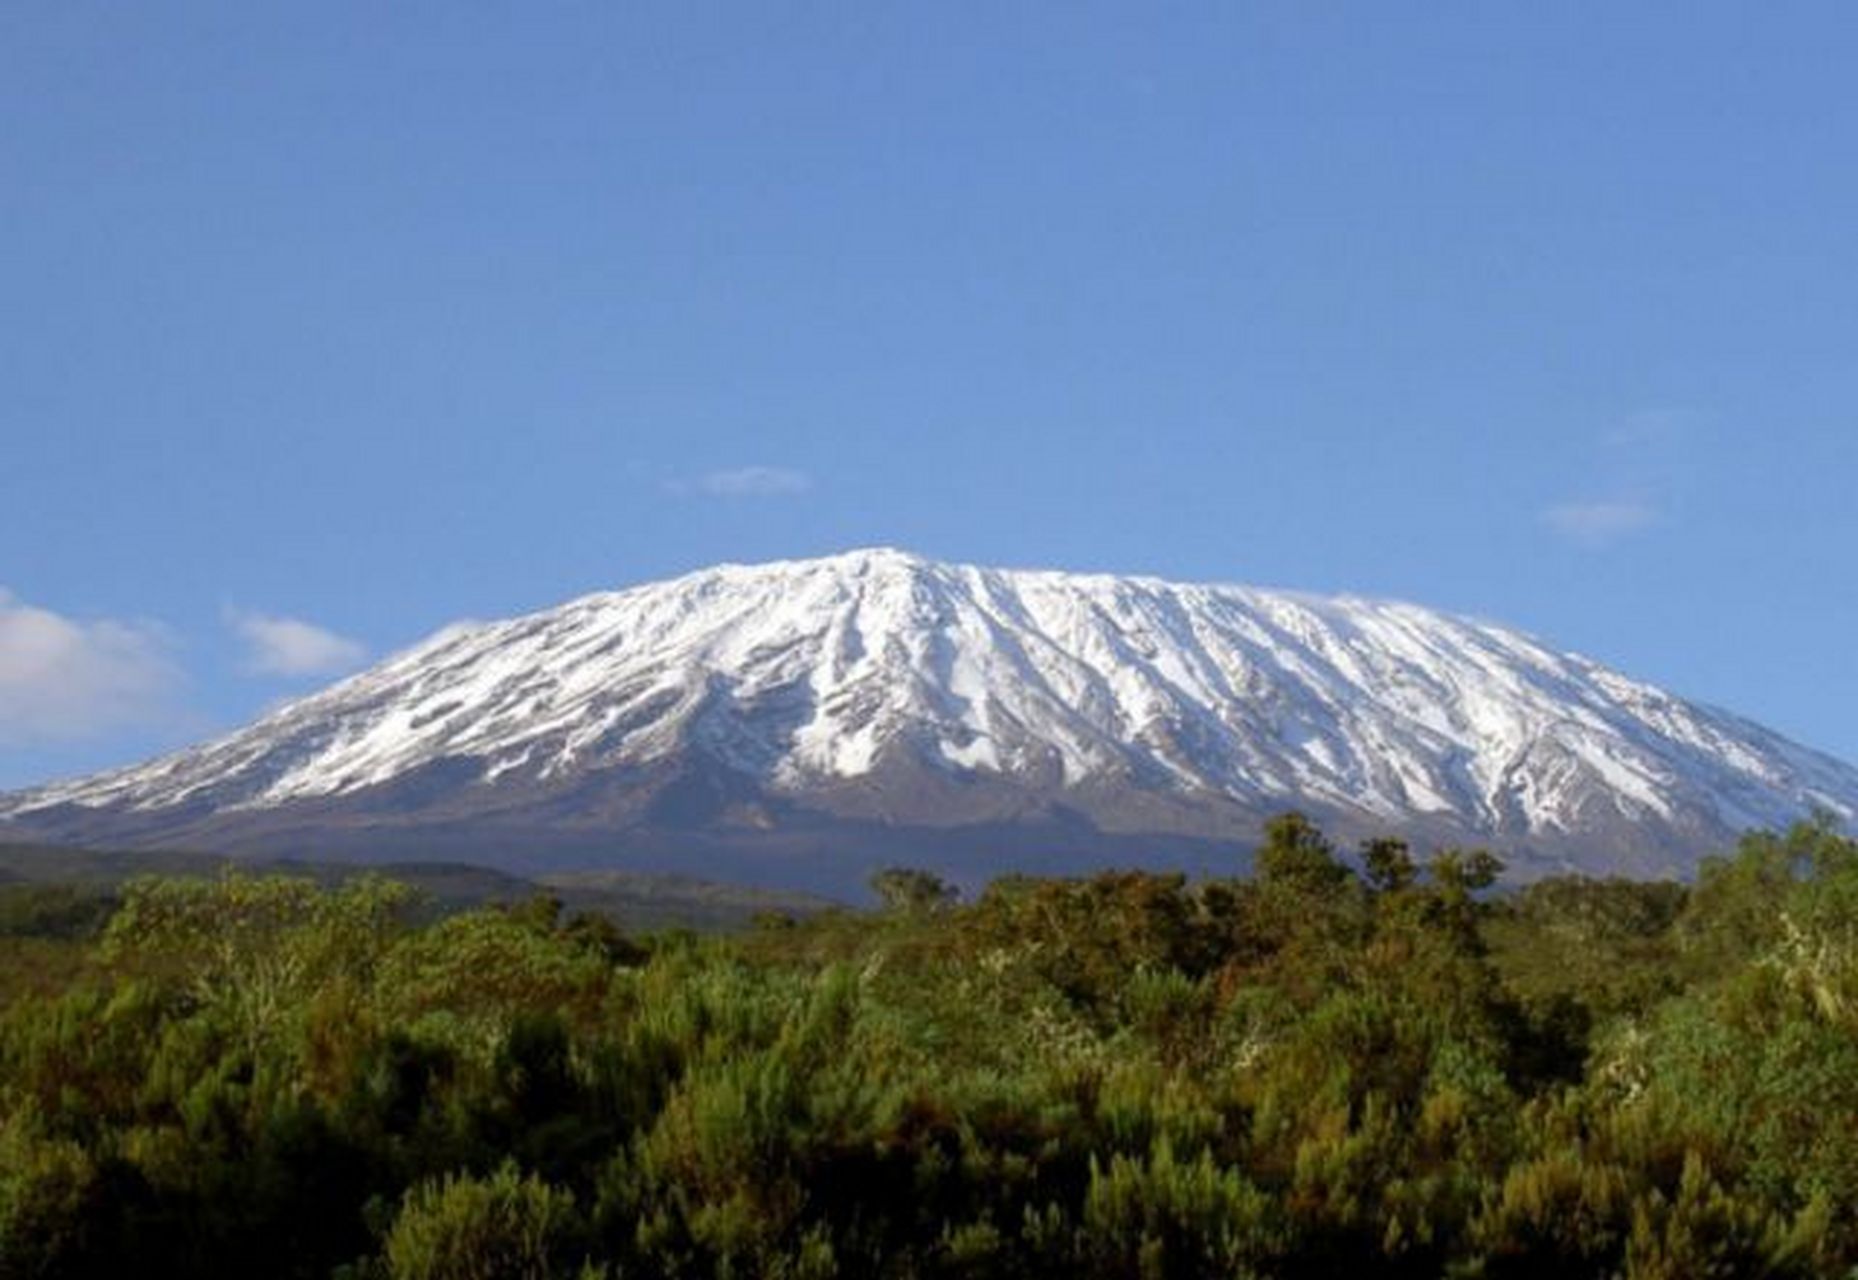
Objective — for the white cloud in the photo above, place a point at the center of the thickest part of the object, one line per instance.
(63, 680)
(1599, 524)
(292, 647)
(749, 482)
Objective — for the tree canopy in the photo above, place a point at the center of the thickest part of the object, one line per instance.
(1365, 1065)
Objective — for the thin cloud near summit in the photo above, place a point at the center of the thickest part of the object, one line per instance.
(746, 482)
(1599, 524)
(280, 646)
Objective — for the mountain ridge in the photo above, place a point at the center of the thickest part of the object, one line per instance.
(798, 702)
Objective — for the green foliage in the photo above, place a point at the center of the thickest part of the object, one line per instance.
(1308, 1073)
(1585, 949)
(1388, 864)
(1161, 1216)
(53, 911)
(47, 1187)
(1295, 854)
(911, 889)
(504, 1227)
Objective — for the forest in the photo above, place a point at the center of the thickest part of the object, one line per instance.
(1361, 1062)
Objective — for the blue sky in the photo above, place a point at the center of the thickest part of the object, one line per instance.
(328, 324)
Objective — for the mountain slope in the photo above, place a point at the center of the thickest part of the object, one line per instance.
(879, 697)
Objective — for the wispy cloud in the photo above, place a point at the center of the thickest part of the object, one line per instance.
(1634, 477)
(278, 646)
(1599, 524)
(63, 680)
(746, 482)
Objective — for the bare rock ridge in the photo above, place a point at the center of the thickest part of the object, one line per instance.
(802, 721)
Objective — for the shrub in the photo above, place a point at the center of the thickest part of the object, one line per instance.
(503, 1227)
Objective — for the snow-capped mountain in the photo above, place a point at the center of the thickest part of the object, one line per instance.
(875, 702)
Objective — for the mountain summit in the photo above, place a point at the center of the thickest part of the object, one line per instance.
(803, 720)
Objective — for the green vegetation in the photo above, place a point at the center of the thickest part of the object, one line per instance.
(635, 901)
(1317, 1071)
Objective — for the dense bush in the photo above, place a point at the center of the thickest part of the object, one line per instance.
(1314, 1072)
(467, 1228)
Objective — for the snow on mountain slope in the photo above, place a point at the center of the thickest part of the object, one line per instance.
(806, 677)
